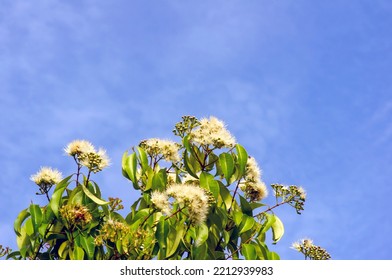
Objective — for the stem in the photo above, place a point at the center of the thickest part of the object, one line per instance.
(272, 207)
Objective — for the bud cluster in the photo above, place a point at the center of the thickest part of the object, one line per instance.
(75, 215)
(112, 230)
(184, 127)
(311, 251)
(293, 195)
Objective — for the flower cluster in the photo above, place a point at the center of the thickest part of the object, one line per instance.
(311, 251)
(293, 195)
(167, 149)
(252, 186)
(45, 178)
(188, 196)
(213, 132)
(85, 154)
(75, 215)
(112, 231)
(185, 126)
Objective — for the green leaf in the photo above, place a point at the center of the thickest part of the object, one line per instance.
(23, 241)
(273, 256)
(139, 217)
(36, 216)
(19, 221)
(188, 165)
(63, 250)
(142, 157)
(270, 220)
(226, 162)
(225, 195)
(242, 159)
(87, 243)
(208, 182)
(201, 235)
(246, 224)
(29, 227)
(159, 180)
(129, 166)
(249, 251)
(161, 233)
(93, 197)
(245, 206)
(174, 239)
(277, 230)
(57, 195)
(77, 253)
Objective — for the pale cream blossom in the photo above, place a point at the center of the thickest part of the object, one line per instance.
(253, 171)
(79, 147)
(96, 161)
(167, 148)
(254, 190)
(47, 176)
(161, 201)
(252, 185)
(213, 132)
(193, 198)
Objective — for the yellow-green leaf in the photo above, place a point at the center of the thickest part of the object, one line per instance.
(277, 230)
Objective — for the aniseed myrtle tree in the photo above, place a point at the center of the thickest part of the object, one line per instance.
(199, 198)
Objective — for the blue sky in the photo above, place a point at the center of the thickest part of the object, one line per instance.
(305, 87)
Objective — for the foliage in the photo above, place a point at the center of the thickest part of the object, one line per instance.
(200, 198)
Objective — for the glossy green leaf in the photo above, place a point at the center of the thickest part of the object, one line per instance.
(242, 156)
(57, 195)
(270, 220)
(246, 224)
(249, 251)
(161, 233)
(201, 235)
(36, 216)
(225, 195)
(93, 197)
(174, 239)
(77, 253)
(188, 165)
(159, 180)
(226, 163)
(23, 241)
(63, 250)
(273, 256)
(129, 166)
(87, 243)
(277, 230)
(142, 157)
(245, 206)
(208, 182)
(19, 221)
(29, 227)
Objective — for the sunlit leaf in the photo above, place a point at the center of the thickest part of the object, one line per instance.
(242, 159)
(246, 224)
(129, 165)
(201, 235)
(93, 197)
(19, 221)
(249, 251)
(277, 230)
(36, 216)
(208, 182)
(77, 253)
(226, 162)
(57, 195)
